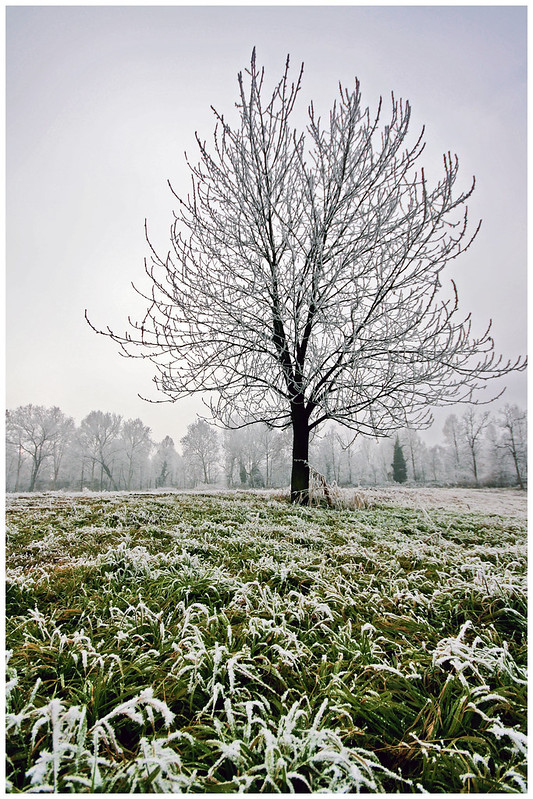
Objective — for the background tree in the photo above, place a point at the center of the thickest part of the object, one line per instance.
(436, 468)
(399, 467)
(74, 455)
(473, 427)
(136, 443)
(200, 451)
(365, 470)
(62, 441)
(415, 449)
(512, 440)
(16, 456)
(99, 436)
(36, 431)
(453, 445)
(231, 448)
(347, 445)
(244, 453)
(304, 280)
(330, 456)
(166, 465)
(254, 455)
(272, 445)
(277, 446)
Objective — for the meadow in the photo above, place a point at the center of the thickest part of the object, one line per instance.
(235, 643)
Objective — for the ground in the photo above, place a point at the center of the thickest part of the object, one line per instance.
(503, 501)
(189, 642)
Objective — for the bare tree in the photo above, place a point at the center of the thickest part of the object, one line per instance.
(257, 452)
(99, 435)
(136, 445)
(304, 278)
(245, 448)
(61, 443)
(15, 453)
(166, 465)
(415, 447)
(371, 461)
(329, 453)
(270, 447)
(436, 463)
(38, 432)
(512, 426)
(346, 441)
(231, 447)
(200, 450)
(473, 426)
(452, 436)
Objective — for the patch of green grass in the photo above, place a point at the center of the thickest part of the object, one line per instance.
(226, 643)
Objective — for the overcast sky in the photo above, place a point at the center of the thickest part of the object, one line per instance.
(103, 101)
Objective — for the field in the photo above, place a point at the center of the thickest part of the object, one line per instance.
(233, 643)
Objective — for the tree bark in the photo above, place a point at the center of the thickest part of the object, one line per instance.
(19, 466)
(474, 468)
(36, 465)
(33, 477)
(107, 470)
(516, 466)
(300, 456)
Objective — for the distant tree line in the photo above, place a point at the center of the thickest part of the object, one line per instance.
(46, 450)
(477, 449)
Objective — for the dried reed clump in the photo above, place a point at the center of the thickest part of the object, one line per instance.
(322, 493)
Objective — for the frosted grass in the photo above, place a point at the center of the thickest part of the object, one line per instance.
(188, 643)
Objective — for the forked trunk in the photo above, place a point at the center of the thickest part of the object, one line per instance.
(300, 458)
(517, 469)
(107, 470)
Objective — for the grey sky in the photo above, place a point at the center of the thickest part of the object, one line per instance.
(103, 101)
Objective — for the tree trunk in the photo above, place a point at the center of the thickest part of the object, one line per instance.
(515, 458)
(415, 476)
(57, 466)
(267, 467)
(107, 470)
(33, 477)
(474, 467)
(19, 466)
(36, 465)
(517, 469)
(300, 457)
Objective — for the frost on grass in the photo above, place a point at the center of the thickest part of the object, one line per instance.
(477, 657)
(186, 643)
(70, 754)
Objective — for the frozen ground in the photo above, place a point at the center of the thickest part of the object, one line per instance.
(500, 501)
(240, 644)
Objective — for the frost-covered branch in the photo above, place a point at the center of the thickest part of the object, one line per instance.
(304, 278)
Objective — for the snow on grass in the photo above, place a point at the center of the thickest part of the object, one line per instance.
(231, 642)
